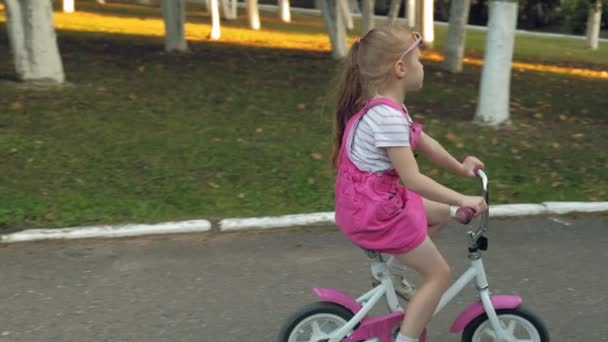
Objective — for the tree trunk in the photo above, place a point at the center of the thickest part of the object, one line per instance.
(411, 13)
(393, 10)
(32, 37)
(426, 21)
(215, 19)
(335, 27)
(284, 11)
(367, 16)
(228, 9)
(68, 6)
(174, 15)
(347, 15)
(494, 94)
(254, 14)
(594, 21)
(354, 6)
(454, 50)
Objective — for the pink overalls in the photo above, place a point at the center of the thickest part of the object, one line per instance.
(374, 210)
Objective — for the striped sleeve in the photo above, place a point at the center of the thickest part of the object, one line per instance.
(389, 127)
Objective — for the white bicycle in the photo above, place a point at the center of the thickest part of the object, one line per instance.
(338, 317)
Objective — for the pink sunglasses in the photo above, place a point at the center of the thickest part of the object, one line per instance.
(417, 43)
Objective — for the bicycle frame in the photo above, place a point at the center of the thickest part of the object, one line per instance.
(379, 327)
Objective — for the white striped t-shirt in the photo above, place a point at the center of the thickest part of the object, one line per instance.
(382, 126)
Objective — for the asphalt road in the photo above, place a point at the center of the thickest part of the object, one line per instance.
(241, 286)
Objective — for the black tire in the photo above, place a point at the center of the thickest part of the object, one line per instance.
(309, 310)
(471, 328)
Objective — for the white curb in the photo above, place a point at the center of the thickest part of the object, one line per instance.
(108, 231)
(510, 210)
(569, 207)
(501, 210)
(279, 221)
(236, 224)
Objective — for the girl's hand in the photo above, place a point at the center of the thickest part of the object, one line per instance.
(478, 204)
(471, 164)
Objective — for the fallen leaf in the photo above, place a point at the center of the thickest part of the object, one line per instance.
(554, 174)
(213, 185)
(311, 181)
(16, 105)
(301, 106)
(578, 135)
(434, 172)
(556, 184)
(538, 115)
(453, 137)
(514, 150)
(132, 96)
(419, 116)
(563, 117)
(241, 195)
(555, 145)
(141, 68)
(259, 130)
(317, 156)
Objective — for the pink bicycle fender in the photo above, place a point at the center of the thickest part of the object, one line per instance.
(335, 296)
(476, 309)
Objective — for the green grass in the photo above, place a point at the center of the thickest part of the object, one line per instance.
(234, 131)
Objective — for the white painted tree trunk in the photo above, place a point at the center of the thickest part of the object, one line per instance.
(426, 24)
(354, 6)
(454, 50)
(228, 9)
(411, 13)
(346, 12)
(33, 41)
(215, 19)
(335, 27)
(594, 21)
(367, 16)
(254, 14)
(393, 10)
(494, 94)
(174, 15)
(68, 6)
(284, 11)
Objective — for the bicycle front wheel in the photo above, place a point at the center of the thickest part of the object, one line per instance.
(519, 324)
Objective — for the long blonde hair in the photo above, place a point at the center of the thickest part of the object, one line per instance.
(365, 70)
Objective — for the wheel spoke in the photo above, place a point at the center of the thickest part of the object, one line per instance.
(316, 330)
(490, 333)
(511, 328)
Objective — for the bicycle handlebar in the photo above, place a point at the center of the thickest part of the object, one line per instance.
(465, 215)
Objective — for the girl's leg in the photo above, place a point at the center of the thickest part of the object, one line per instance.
(437, 215)
(435, 272)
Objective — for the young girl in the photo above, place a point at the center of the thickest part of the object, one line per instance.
(374, 139)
